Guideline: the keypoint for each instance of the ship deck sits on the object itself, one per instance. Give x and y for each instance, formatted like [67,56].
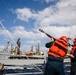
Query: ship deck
[35,71]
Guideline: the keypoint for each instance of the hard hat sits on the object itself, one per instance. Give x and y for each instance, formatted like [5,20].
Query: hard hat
[64,38]
[74,39]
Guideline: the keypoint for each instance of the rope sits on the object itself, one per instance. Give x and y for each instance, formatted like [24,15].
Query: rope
[36,73]
[18,47]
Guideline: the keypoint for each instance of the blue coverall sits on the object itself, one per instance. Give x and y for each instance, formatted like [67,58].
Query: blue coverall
[73,64]
[54,66]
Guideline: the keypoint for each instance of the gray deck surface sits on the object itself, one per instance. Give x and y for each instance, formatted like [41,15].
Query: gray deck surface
[31,72]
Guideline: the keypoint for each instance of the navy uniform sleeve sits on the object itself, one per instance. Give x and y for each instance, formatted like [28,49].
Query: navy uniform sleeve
[49,44]
[74,53]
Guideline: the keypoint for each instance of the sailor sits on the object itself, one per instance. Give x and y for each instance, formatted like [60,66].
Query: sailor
[2,69]
[57,52]
[72,55]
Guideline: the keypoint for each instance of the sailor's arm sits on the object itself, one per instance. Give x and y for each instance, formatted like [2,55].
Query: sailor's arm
[49,44]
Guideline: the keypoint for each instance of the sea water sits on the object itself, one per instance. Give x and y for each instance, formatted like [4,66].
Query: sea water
[31,70]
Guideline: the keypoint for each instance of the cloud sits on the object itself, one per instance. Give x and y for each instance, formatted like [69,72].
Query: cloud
[62,13]
[66,12]
[1,47]
[23,14]
[47,1]
[64,3]
[56,20]
[23,33]
[55,31]
[5,33]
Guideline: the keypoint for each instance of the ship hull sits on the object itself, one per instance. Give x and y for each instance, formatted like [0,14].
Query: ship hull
[8,59]
[10,62]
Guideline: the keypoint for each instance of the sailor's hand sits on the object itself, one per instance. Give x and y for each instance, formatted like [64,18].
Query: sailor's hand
[70,55]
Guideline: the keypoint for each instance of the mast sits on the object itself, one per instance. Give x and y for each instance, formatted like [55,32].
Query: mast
[18,45]
[6,47]
[38,49]
[12,49]
[31,49]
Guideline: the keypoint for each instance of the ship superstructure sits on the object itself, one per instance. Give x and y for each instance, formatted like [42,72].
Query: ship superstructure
[17,57]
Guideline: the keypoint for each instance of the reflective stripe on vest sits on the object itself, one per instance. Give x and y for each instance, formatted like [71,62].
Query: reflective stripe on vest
[59,48]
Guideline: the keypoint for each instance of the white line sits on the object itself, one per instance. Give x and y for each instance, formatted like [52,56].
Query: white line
[25,73]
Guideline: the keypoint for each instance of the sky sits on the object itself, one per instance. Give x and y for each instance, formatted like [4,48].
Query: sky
[24,18]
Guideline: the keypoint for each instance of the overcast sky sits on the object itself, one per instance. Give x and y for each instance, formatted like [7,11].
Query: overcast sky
[23,18]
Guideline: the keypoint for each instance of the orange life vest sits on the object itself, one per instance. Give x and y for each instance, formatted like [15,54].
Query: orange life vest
[73,49]
[58,49]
